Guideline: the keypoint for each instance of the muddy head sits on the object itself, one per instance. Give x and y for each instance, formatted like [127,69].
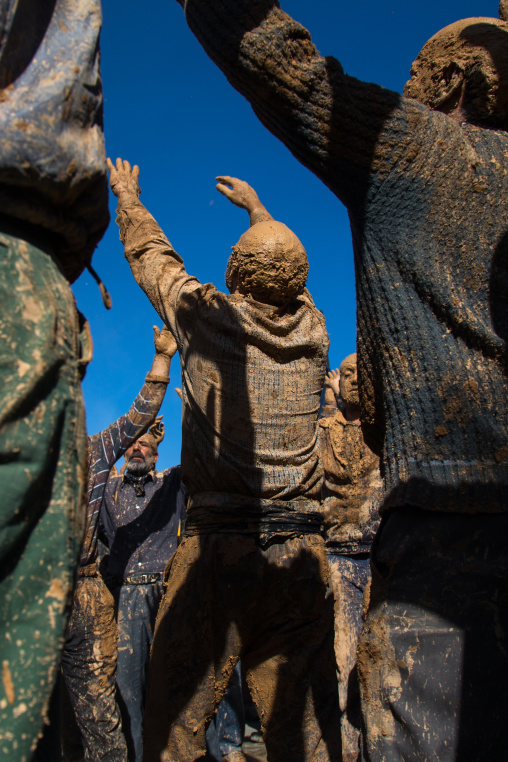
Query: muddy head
[348,384]
[268,263]
[463,71]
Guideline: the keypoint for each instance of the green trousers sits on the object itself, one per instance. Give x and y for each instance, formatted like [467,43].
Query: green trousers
[42,471]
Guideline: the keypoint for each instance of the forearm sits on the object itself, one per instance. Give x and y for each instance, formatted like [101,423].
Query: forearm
[160,366]
[329,121]
[155,265]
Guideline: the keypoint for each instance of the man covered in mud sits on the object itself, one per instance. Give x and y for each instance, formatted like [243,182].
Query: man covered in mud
[54,210]
[249,577]
[352,492]
[90,649]
[141,514]
[425,179]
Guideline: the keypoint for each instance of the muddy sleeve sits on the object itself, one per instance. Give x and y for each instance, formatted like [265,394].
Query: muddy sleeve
[107,446]
[156,266]
[342,129]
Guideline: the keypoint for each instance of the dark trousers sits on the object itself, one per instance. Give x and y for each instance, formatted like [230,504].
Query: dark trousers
[136,610]
[230,719]
[433,656]
[89,670]
[228,598]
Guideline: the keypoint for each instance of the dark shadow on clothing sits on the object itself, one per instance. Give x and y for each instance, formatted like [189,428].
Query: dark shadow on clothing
[428,563]
[498,295]
[154,518]
[238,603]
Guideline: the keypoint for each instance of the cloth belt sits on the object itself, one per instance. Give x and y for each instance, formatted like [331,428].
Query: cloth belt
[135,579]
[261,522]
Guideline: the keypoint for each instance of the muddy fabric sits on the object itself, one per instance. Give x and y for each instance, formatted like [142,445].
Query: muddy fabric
[352,488]
[43,458]
[228,598]
[349,578]
[430,262]
[136,610]
[106,447]
[434,666]
[251,374]
[52,164]
[142,534]
[89,669]
[142,530]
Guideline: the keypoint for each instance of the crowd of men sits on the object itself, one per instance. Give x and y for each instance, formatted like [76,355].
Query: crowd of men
[351,555]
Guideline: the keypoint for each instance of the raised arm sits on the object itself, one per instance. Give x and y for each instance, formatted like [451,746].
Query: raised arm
[107,446]
[241,194]
[330,121]
[155,265]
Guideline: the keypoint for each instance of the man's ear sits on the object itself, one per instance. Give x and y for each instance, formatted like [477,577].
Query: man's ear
[452,87]
[156,458]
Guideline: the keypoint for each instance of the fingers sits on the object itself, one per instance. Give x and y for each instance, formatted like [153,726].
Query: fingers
[156,332]
[179,392]
[228,192]
[110,164]
[135,172]
[226,179]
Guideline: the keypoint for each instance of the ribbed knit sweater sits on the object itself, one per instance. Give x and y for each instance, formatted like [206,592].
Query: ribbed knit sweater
[428,206]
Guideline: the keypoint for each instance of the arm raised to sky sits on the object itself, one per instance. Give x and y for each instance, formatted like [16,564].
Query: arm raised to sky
[155,265]
[331,122]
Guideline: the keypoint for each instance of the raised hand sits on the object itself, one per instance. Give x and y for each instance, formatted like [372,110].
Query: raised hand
[124,179]
[241,194]
[332,380]
[157,429]
[165,343]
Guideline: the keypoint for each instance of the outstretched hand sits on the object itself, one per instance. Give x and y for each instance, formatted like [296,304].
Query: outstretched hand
[238,192]
[123,178]
[165,343]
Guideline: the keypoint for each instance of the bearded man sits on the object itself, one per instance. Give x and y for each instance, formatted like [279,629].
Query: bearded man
[249,578]
[141,514]
[424,177]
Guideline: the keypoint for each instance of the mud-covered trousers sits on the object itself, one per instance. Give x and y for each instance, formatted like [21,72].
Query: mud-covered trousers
[349,576]
[42,463]
[136,610]
[433,657]
[89,670]
[227,597]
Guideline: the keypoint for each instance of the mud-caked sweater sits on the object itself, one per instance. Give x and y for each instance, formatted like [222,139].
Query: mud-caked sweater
[352,487]
[428,206]
[251,374]
[52,163]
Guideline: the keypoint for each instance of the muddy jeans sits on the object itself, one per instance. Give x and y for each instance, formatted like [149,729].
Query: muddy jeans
[432,659]
[136,607]
[89,670]
[42,466]
[349,576]
[227,598]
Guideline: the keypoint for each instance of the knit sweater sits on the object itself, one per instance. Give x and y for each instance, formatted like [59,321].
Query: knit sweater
[52,164]
[252,376]
[428,206]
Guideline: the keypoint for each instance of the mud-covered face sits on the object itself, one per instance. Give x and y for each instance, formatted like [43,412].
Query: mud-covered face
[348,385]
[140,458]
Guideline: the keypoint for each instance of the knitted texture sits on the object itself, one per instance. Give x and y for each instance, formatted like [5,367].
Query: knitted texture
[427,200]
[252,376]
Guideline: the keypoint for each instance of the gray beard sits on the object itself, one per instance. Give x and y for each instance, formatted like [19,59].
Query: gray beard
[138,468]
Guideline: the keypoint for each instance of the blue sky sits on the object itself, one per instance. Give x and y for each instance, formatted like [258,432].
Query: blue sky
[170,110]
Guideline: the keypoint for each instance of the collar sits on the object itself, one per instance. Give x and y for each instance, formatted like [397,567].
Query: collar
[137,482]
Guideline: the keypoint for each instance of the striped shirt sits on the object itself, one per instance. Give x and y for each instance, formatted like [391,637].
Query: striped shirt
[106,447]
